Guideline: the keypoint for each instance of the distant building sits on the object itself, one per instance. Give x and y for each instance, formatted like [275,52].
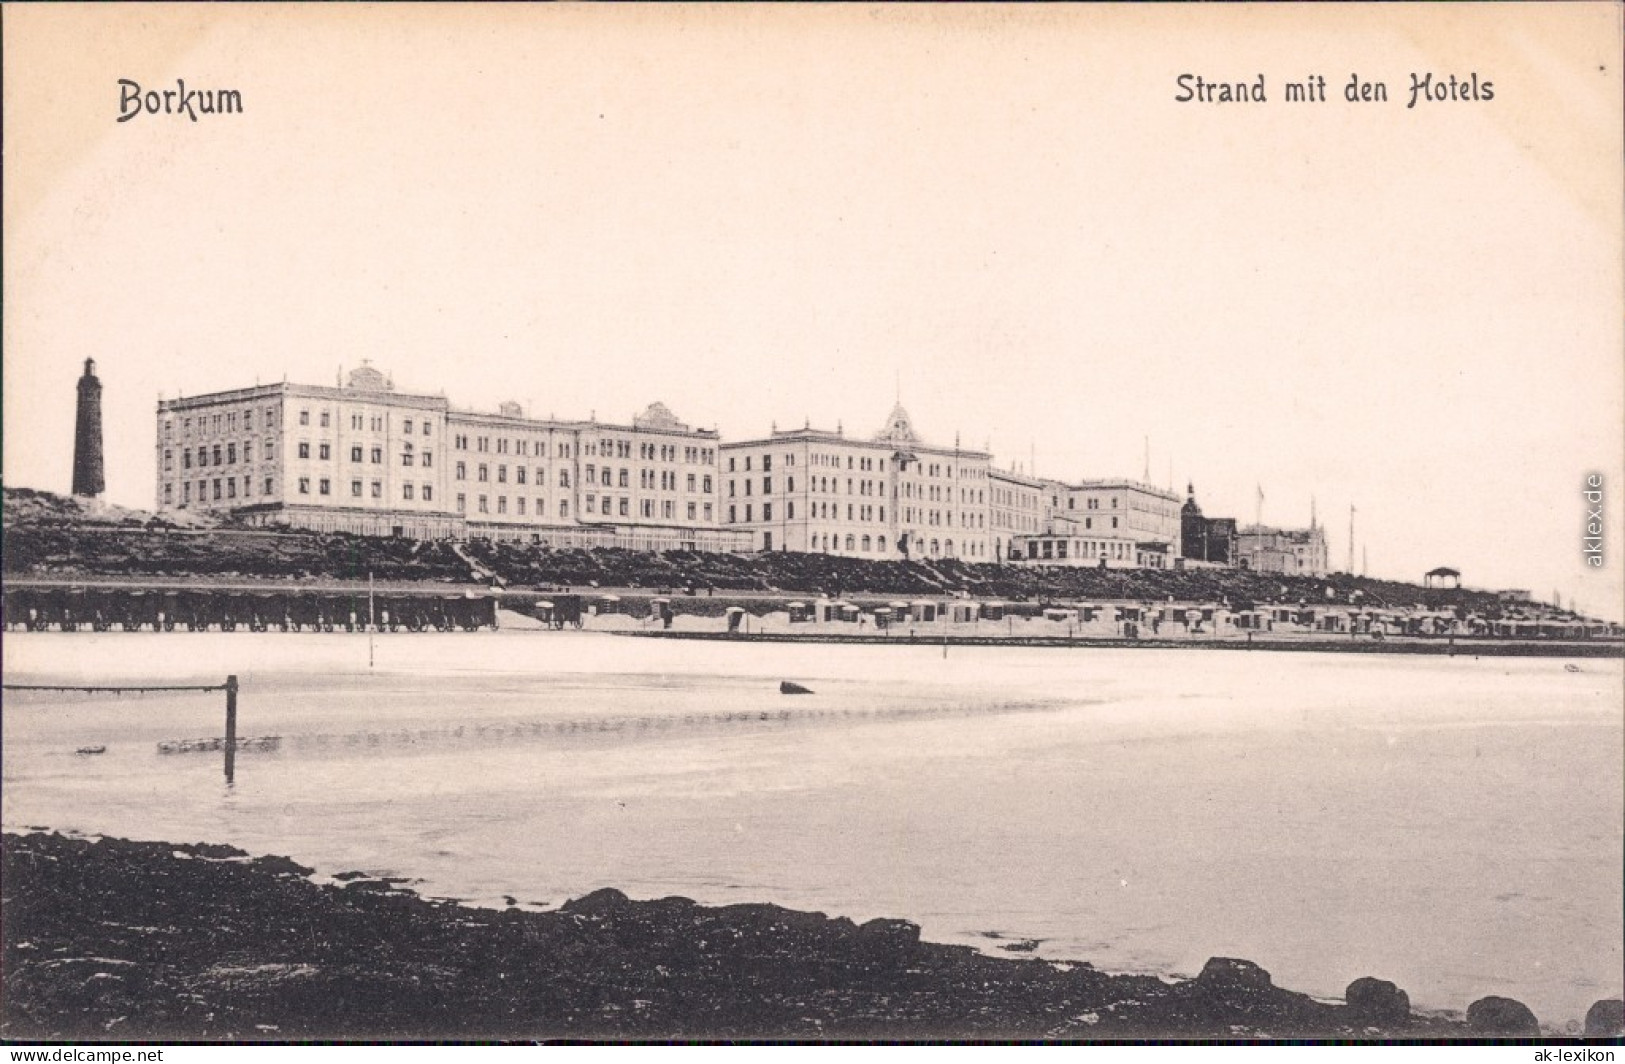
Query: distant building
[88,478]
[650,485]
[1211,540]
[363,457]
[891,496]
[1115,524]
[1018,506]
[1288,551]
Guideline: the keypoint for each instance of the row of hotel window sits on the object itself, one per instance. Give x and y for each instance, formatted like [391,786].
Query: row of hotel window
[590,504]
[223,422]
[225,456]
[1016,522]
[520,447]
[608,448]
[361,422]
[857,543]
[224,488]
[231,421]
[1056,549]
[854,512]
[942,517]
[928,492]
[878,465]
[648,479]
[324,452]
[1023,499]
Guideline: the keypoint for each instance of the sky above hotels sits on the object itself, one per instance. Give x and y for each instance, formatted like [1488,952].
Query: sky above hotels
[772,216]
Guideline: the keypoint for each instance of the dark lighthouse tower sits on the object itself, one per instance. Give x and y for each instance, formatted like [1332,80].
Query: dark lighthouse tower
[87,436]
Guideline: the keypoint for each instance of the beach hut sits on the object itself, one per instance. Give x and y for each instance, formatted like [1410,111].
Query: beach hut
[883,616]
[924,610]
[21,608]
[34,609]
[847,611]
[270,610]
[799,612]
[993,611]
[473,611]
[826,610]
[661,608]
[963,612]
[567,611]
[304,611]
[232,608]
[736,617]
[607,604]
[141,608]
[15,605]
[1059,613]
[544,611]
[420,618]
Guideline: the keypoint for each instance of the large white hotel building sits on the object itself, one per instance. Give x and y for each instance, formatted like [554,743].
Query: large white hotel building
[363,457]
[889,496]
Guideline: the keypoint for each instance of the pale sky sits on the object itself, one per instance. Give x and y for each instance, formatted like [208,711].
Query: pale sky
[769,215]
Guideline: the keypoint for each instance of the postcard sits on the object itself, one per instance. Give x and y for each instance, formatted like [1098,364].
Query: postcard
[813,522]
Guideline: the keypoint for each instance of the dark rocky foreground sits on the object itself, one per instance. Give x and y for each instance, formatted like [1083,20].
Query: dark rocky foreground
[114,939]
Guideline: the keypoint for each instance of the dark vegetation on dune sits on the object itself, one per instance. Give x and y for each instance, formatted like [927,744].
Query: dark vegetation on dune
[49,536]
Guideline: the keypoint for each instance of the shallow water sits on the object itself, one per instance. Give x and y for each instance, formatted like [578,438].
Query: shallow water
[1452,824]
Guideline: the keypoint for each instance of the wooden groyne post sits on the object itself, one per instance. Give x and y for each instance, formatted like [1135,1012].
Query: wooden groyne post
[231,729]
[230,687]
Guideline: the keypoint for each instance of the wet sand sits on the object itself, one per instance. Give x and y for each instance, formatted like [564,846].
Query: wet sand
[1325,815]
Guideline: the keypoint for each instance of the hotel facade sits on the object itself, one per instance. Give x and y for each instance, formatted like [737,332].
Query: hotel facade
[1288,551]
[1112,524]
[886,497]
[362,457]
